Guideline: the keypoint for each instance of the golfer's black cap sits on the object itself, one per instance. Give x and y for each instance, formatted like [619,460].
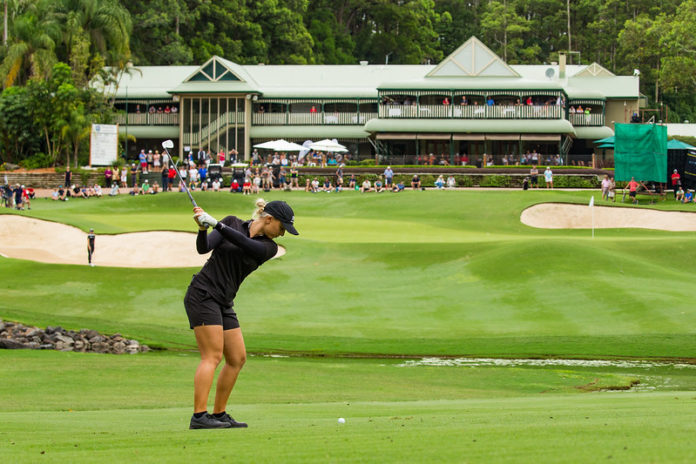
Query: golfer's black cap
[282,212]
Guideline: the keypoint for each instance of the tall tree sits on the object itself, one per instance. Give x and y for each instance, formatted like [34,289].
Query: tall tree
[32,43]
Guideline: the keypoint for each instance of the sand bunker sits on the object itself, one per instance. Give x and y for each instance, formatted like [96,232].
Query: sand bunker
[565,216]
[50,242]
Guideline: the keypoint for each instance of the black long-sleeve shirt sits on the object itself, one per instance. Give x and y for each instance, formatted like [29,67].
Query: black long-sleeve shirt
[235,256]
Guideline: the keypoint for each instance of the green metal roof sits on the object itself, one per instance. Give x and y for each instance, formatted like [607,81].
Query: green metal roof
[146,82]
[593,133]
[535,126]
[151,132]
[324,132]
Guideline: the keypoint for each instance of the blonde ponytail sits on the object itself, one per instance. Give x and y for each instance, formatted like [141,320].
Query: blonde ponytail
[260,205]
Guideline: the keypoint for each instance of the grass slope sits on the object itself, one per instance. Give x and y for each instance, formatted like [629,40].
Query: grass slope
[414,273]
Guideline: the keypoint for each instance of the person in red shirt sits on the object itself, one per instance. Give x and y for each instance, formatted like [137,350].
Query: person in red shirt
[676,182]
[171,175]
[632,190]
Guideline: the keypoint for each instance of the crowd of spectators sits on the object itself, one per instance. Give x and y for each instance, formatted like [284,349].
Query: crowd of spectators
[18,197]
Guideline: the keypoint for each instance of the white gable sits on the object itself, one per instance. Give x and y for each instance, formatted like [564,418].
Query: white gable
[472,59]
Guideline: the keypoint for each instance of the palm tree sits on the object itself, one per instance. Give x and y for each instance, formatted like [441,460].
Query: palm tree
[31,47]
[103,24]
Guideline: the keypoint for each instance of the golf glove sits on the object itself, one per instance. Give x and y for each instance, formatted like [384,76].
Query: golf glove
[206,220]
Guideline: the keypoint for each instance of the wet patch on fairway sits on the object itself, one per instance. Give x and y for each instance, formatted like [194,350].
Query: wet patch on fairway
[492,362]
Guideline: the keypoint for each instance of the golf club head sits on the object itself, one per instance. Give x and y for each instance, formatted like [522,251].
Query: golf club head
[167,144]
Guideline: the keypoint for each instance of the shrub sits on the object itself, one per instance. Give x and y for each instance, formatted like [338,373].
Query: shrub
[35,161]
[367,162]
[496,181]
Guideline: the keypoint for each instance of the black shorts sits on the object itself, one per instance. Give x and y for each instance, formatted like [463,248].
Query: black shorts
[202,309]
[632,194]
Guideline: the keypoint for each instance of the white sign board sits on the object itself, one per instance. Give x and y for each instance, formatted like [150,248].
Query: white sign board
[103,146]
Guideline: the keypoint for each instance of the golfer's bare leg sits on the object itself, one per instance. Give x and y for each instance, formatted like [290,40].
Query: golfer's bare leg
[210,342]
[235,357]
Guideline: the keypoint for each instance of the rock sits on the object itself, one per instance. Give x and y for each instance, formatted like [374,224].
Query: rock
[144,348]
[96,339]
[89,333]
[33,332]
[46,346]
[119,348]
[64,339]
[32,345]
[79,345]
[9,344]
[51,329]
[100,347]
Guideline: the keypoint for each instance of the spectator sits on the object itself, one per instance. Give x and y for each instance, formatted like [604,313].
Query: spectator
[548,177]
[689,196]
[255,184]
[612,189]
[146,187]
[133,175]
[142,159]
[294,174]
[676,181]
[216,184]
[171,175]
[234,186]
[68,176]
[533,176]
[440,182]
[451,182]
[246,187]
[327,185]
[633,190]
[114,190]
[388,176]
[97,190]
[157,161]
[314,186]
[150,160]
[525,183]
[352,182]
[164,177]
[221,157]
[202,174]
[124,176]
[18,194]
[415,182]
[193,177]
[379,188]
[606,183]
[679,194]
[398,187]
[108,176]
[366,186]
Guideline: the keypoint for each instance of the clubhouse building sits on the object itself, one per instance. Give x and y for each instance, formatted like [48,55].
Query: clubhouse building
[471,103]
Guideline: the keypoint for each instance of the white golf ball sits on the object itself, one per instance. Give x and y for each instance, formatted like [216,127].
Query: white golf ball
[341,420]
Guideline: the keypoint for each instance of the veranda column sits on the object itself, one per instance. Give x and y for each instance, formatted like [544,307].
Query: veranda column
[247,128]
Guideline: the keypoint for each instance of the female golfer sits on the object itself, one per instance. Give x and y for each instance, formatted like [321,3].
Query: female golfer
[239,247]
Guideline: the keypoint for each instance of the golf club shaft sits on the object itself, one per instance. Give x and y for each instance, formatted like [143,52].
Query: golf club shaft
[176,168]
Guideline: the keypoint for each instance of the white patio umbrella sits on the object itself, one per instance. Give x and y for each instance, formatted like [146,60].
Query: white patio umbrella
[328,145]
[280,145]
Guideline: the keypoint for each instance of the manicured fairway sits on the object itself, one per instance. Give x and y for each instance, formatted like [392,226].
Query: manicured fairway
[414,273]
[95,408]
[372,282]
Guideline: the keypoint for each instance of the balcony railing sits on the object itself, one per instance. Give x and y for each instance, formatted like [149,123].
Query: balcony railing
[283,119]
[148,119]
[472,111]
[592,119]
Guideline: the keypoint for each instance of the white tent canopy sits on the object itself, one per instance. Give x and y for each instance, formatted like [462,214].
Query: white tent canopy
[280,145]
[328,145]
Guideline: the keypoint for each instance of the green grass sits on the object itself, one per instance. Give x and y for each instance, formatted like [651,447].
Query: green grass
[99,408]
[443,273]
[416,273]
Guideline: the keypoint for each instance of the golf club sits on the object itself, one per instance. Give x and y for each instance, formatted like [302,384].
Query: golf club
[167,144]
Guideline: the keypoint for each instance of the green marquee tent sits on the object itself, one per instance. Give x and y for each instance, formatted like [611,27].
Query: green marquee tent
[640,151]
